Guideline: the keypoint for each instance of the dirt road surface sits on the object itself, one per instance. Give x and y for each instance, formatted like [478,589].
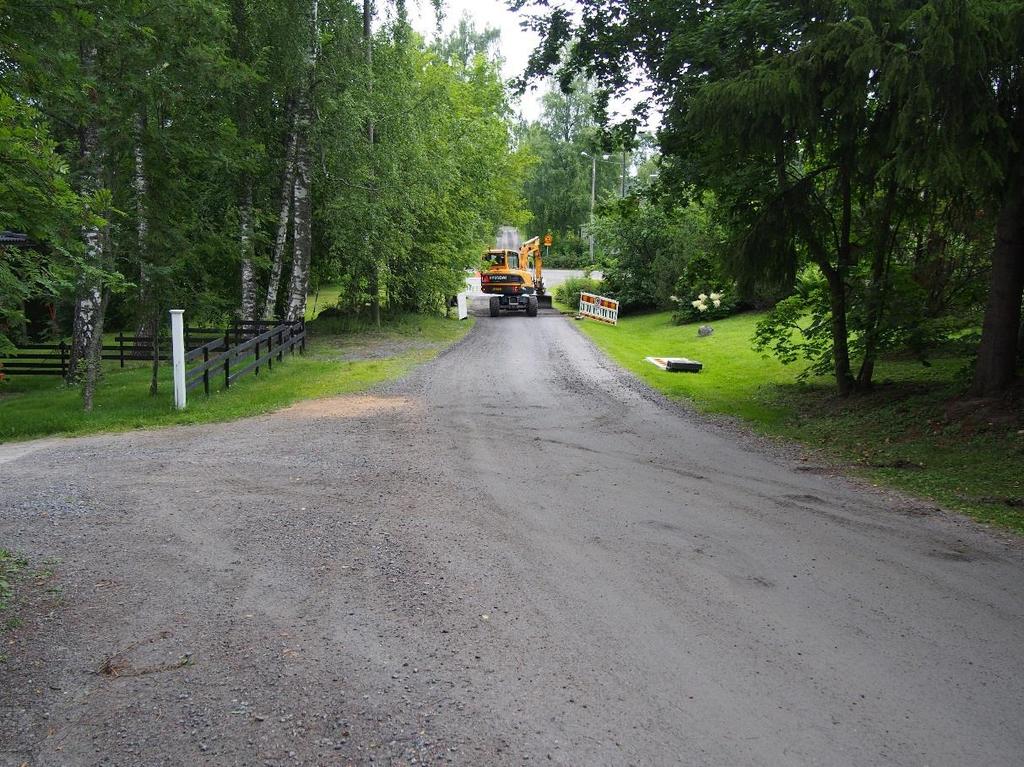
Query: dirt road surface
[517,555]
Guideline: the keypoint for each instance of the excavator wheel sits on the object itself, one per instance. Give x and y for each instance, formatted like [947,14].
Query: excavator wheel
[531,306]
[495,306]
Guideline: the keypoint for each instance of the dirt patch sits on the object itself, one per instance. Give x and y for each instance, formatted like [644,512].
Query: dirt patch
[352,406]
[981,414]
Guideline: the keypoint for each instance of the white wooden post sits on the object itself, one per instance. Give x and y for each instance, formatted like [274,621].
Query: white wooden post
[178,356]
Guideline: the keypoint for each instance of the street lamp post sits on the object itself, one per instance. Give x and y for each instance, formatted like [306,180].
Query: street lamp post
[593,188]
[593,192]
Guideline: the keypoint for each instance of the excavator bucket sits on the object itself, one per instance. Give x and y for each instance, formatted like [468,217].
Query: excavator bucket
[544,302]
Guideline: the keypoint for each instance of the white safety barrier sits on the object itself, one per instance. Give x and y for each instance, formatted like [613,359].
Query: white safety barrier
[599,308]
[463,306]
[178,356]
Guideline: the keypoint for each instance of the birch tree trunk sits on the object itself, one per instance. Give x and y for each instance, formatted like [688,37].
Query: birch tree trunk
[302,232]
[145,327]
[374,266]
[249,287]
[140,186]
[93,358]
[283,216]
[87,308]
[302,201]
[88,303]
[250,291]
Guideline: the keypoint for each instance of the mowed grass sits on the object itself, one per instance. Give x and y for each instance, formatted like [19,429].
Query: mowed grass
[912,432]
[334,363]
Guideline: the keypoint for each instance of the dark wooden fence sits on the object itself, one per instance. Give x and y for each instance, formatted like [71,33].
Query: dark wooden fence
[37,360]
[246,355]
[140,348]
[52,359]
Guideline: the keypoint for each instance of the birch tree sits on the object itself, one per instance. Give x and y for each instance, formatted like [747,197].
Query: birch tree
[302,217]
[284,208]
[89,303]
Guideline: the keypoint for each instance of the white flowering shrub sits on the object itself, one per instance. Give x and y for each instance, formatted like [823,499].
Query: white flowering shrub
[706,306]
[703,293]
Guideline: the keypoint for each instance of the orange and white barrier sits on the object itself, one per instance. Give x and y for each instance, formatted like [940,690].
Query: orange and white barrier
[599,308]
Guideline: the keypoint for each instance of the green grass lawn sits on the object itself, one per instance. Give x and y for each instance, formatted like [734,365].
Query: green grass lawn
[908,433]
[325,298]
[334,363]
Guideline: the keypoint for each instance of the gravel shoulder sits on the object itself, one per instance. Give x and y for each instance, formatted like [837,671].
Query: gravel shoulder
[517,553]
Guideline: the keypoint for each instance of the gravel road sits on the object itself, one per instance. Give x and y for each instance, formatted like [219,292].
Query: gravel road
[516,555]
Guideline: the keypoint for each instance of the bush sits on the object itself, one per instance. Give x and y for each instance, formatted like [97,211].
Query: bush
[800,327]
[569,251]
[702,276]
[569,291]
[706,306]
[650,246]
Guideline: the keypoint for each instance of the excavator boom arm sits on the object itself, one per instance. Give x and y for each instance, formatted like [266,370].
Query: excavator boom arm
[532,248]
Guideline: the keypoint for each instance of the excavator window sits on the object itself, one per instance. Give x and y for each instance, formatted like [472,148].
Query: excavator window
[496,259]
[513,261]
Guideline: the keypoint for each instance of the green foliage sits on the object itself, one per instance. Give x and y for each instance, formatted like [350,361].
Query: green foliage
[466,43]
[569,250]
[37,201]
[440,178]
[568,292]
[558,186]
[798,328]
[652,247]
[703,275]
[854,137]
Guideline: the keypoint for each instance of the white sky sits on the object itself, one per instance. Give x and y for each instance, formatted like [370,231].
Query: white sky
[516,46]
[516,43]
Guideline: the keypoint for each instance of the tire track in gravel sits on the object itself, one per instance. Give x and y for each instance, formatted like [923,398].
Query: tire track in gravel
[517,553]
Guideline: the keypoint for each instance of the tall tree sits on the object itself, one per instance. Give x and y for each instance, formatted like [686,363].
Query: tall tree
[89,301]
[302,190]
[284,207]
[566,140]
[250,288]
[371,259]
[966,97]
[806,121]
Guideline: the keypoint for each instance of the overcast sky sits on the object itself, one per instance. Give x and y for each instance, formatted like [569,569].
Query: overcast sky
[516,43]
[516,46]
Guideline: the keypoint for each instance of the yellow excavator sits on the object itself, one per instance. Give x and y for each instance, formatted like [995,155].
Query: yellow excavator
[513,278]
